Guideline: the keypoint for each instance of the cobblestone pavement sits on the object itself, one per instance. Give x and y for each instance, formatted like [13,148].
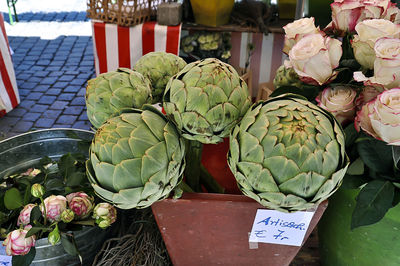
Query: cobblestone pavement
[51,77]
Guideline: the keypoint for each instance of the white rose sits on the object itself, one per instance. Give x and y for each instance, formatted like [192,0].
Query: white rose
[386,64]
[369,31]
[380,117]
[315,57]
[375,8]
[340,101]
[346,15]
[393,14]
[295,30]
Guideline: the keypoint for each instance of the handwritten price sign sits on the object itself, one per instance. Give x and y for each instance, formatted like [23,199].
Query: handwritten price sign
[280,228]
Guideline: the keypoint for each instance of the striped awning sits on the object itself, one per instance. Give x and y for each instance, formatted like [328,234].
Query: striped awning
[9,96]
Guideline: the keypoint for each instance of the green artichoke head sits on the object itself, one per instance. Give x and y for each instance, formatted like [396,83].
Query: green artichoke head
[136,158]
[286,77]
[288,154]
[114,91]
[206,100]
[159,67]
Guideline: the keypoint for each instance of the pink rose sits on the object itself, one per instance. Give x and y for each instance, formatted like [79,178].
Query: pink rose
[380,117]
[340,102]
[25,215]
[81,204]
[55,205]
[17,244]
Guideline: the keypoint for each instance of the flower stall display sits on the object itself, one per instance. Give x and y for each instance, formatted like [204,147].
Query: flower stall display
[139,157]
[50,200]
[351,69]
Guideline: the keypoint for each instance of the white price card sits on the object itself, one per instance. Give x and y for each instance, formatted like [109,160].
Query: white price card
[281,228]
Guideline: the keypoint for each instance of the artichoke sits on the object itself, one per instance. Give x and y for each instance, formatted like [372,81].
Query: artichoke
[111,92]
[159,67]
[286,77]
[206,100]
[136,158]
[288,154]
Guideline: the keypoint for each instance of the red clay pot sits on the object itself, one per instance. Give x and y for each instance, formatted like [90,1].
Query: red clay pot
[209,229]
[214,159]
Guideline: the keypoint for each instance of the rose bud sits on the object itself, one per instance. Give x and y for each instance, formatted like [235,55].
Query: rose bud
[105,214]
[37,190]
[54,236]
[25,215]
[81,204]
[55,205]
[67,216]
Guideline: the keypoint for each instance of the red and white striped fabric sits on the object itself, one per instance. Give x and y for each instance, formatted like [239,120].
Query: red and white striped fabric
[266,58]
[116,46]
[9,96]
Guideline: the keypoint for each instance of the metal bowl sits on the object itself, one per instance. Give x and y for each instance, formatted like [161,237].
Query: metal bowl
[24,151]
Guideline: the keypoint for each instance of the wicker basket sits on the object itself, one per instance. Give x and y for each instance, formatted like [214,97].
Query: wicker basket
[123,12]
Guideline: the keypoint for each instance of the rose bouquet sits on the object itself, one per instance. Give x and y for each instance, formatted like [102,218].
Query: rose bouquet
[49,201]
[352,69]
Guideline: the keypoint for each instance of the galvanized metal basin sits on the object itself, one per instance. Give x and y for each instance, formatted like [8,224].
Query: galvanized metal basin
[24,151]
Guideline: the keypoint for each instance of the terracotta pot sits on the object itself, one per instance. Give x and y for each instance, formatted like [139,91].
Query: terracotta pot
[209,229]
[214,159]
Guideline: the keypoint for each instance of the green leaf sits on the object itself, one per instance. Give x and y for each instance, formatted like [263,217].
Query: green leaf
[356,167]
[13,199]
[25,260]
[373,201]
[310,92]
[68,244]
[351,135]
[36,215]
[54,184]
[354,181]
[27,195]
[66,165]
[377,155]
[45,161]
[76,179]
[36,229]
[3,218]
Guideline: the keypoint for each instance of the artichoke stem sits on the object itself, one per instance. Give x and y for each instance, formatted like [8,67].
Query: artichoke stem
[185,187]
[193,162]
[209,182]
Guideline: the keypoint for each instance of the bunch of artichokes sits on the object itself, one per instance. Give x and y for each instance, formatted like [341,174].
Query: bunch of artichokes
[206,100]
[159,67]
[288,154]
[136,158]
[111,92]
